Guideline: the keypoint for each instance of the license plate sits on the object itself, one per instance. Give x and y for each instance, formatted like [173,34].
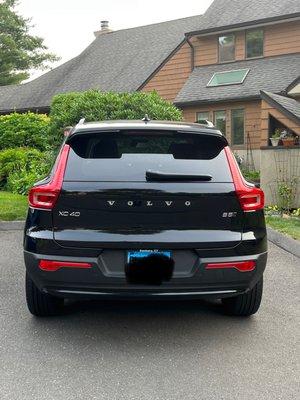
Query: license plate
[133,255]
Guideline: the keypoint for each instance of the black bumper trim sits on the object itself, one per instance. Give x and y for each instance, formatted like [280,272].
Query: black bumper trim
[133,294]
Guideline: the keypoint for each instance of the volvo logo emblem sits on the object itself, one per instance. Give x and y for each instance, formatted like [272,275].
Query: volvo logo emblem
[148,203]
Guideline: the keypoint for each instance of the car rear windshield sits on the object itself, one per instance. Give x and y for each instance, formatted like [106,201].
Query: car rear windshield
[128,155]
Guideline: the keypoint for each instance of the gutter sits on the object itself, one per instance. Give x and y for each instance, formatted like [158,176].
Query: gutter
[213,101]
[192,53]
[263,21]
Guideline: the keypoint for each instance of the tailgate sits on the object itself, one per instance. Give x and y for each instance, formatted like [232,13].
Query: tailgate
[107,202]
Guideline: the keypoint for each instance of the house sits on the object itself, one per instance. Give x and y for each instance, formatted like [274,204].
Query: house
[239,69]
[237,65]
[118,61]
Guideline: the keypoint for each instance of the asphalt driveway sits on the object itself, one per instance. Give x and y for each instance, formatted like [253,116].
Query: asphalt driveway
[121,350]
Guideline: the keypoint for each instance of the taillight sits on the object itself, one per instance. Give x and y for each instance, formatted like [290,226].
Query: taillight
[52,266]
[45,196]
[241,266]
[250,197]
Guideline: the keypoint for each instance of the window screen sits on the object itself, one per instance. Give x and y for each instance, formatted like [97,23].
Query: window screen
[254,43]
[220,120]
[237,126]
[227,48]
[202,116]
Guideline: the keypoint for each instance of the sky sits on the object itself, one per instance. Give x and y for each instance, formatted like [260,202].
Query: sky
[67,26]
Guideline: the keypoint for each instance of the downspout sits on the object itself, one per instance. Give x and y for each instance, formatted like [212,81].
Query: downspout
[192,52]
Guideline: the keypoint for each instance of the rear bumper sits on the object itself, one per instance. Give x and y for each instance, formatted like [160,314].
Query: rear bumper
[140,294]
[100,283]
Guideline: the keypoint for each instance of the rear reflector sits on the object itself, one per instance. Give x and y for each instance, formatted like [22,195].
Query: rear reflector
[45,196]
[241,266]
[49,265]
[250,197]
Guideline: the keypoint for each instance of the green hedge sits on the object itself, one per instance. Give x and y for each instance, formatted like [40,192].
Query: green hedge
[68,109]
[24,130]
[20,168]
[26,139]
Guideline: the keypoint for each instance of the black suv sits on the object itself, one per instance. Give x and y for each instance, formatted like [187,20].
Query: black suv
[145,209]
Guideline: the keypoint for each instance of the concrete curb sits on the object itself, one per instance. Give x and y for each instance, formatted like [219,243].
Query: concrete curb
[285,242]
[12,225]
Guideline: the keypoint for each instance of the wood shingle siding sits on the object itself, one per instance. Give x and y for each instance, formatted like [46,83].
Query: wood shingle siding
[171,77]
[252,111]
[206,50]
[279,39]
[282,38]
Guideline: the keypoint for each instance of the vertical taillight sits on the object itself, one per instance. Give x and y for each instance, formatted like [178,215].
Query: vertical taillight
[250,197]
[45,196]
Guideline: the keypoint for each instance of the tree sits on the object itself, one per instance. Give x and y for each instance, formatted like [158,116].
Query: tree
[93,105]
[19,51]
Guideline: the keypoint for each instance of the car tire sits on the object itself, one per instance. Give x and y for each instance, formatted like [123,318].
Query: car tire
[41,304]
[245,304]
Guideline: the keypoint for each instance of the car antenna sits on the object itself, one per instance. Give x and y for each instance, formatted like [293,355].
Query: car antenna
[146,118]
[81,121]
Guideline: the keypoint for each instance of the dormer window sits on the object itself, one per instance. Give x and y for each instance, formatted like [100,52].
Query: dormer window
[254,43]
[227,48]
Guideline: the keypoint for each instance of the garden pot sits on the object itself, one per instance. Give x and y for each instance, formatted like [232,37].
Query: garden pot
[274,141]
[288,142]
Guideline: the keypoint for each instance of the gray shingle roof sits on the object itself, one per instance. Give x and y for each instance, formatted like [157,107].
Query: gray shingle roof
[288,106]
[272,74]
[224,13]
[117,61]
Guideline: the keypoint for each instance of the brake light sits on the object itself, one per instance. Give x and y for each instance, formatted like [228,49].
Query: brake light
[45,196]
[52,266]
[250,197]
[241,266]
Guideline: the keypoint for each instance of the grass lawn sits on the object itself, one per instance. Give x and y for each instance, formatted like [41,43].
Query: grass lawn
[12,206]
[289,227]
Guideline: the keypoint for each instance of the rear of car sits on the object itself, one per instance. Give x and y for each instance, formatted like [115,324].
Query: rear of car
[121,193]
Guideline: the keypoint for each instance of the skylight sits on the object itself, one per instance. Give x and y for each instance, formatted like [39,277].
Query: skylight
[228,77]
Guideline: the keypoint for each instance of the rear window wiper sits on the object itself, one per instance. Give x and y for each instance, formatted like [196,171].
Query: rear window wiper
[157,176]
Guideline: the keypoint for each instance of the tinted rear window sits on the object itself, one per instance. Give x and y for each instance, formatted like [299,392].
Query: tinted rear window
[127,156]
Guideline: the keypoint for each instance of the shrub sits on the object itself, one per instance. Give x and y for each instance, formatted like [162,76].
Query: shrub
[20,168]
[252,176]
[68,109]
[24,130]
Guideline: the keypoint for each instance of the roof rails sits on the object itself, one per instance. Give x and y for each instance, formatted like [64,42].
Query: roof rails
[206,122]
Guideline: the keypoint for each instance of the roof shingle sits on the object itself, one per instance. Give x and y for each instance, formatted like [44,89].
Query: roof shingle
[224,13]
[287,105]
[118,61]
[272,74]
